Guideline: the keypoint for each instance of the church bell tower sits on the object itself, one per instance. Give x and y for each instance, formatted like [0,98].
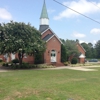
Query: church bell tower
[44,20]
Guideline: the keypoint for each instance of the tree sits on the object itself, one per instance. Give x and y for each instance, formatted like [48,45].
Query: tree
[77,40]
[97,47]
[63,54]
[90,50]
[21,38]
[38,58]
[71,48]
[90,45]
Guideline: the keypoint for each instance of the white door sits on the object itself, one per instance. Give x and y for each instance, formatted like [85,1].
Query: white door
[53,56]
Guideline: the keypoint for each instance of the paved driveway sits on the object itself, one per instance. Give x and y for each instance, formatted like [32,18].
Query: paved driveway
[83,68]
[3,70]
[72,68]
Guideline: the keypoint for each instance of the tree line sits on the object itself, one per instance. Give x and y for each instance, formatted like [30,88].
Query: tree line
[69,48]
[92,51]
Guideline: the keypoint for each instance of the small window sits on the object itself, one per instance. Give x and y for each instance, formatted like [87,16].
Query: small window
[25,56]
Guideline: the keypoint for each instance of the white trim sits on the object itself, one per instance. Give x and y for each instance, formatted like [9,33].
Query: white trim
[44,21]
[12,56]
[6,57]
[25,56]
[45,31]
[82,56]
[52,36]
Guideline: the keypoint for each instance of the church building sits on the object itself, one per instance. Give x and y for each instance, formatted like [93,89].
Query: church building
[53,43]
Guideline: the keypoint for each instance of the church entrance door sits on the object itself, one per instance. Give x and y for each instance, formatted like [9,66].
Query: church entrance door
[53,56]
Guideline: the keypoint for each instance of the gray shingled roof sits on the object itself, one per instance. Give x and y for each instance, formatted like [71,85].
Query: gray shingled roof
[42,28]
[47,37]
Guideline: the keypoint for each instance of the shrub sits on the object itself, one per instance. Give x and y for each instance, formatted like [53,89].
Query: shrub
[74,61]
[66,63]
[38,58]
[3,64]
[45,66]
[14,66]
[6,65]
[1,60]
[15,61]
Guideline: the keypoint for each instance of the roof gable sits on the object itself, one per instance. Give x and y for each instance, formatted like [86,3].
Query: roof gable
[81,46]
[48,37]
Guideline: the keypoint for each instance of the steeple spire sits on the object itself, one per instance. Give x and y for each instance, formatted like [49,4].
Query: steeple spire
[44,13]
[44,20]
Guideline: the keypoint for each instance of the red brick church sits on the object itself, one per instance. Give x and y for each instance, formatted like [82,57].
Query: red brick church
[53,43]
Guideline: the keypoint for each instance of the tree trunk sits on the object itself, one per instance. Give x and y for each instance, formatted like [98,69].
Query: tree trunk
[20,57]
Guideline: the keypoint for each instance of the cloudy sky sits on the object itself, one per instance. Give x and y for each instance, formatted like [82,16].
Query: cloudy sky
[65,23]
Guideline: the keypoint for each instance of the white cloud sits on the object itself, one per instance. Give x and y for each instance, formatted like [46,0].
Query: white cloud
[94,41]
[51,11]
[82,6]
[78,35]
[4,14]
[81,41]
[95,31]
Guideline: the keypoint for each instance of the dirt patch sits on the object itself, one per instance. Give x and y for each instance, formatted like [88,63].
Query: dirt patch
[3,71]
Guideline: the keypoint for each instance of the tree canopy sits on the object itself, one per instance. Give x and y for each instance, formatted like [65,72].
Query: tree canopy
[97,48]
[18,37]
[90,50]
[71,48]
[63,53]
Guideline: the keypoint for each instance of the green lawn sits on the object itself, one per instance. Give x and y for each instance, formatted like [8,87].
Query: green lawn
[50,85]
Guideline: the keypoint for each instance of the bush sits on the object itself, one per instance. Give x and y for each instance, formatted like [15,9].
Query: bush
[38,58]
[45,66]
[66,63]
[22,66]
[1,60]
[15,61]
[6,65]
[74,61]
[3,64]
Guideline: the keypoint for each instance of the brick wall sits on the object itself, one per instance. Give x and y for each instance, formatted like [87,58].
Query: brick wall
[52,44]
[81,60]
[80,49]
[28,59]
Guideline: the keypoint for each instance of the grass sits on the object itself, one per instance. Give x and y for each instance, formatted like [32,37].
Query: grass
[50,85]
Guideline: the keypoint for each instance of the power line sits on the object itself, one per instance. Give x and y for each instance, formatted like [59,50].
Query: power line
[94,4]
[77,12]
